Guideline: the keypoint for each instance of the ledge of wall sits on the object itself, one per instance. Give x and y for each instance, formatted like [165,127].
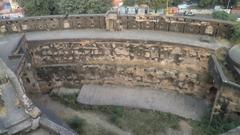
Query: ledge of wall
[175,24]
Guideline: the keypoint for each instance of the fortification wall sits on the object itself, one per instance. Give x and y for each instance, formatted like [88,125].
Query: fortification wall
[175,24]
[124,62]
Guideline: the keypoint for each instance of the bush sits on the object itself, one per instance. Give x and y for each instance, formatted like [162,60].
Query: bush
[77,124]
[217,126]
[222,15]
[236,33]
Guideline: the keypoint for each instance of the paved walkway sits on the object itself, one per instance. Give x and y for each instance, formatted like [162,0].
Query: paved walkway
[9,42]
[147,98]
[15,113]
[147,35]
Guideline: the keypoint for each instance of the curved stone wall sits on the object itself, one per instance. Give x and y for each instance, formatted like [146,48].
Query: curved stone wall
[127,62]
[48,64]
[175,24]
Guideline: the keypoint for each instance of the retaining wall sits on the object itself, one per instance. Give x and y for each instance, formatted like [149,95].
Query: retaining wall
[120,62]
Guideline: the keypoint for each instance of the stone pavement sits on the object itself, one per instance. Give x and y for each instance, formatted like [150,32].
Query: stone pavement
[7,44]
[145,35]
[146,98]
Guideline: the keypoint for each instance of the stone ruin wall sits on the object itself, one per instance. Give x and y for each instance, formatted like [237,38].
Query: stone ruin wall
[71,63]
[228,102]
[162,23]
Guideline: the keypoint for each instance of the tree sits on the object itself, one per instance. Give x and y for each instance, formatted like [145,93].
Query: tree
[205,3]
[139,2]
[97,6]
[40,7]
[84,6]
[236,33]
[129,2]
[71,6]
[175,2]
[52,7]
[156,4]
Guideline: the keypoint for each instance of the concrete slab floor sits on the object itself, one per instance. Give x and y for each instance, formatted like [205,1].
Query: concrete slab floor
[146,98]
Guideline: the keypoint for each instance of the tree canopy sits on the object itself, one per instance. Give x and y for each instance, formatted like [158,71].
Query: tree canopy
[39,7]
[54,7]
[211,3]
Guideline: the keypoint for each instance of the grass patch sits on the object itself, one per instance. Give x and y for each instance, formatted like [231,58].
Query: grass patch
[77,124]
[136,121]
[217,126]
[142,122]
[83,128]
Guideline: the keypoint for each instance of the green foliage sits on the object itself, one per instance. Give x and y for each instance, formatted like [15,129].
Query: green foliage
[40,7]
[71,6]
[97,6]
[142,122]
[217,126]
[53,7]
[116,113]
[222,15]
[156,4]
[129,2]
[139,121]
[205,3]
[175,2]
[236,33]
[77,124]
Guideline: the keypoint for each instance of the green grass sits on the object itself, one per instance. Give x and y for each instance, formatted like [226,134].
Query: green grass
[83,128]
[136,121]
[142,122]
[218,125]
[77,124]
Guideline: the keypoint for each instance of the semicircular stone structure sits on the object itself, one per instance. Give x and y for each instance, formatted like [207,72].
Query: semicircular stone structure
[168,53]
[126,62]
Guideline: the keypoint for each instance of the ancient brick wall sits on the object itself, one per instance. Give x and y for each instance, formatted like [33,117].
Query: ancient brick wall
[174,24]
[134,63]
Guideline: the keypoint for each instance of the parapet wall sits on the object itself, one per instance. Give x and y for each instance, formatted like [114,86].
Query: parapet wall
[120,62]
[175,24]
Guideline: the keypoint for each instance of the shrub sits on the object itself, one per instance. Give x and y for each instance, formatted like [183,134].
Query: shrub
[217,126]
[236,33]
[77,124]
[222,15]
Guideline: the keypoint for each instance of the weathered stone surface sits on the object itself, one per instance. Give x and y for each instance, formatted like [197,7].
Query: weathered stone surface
[132,63]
